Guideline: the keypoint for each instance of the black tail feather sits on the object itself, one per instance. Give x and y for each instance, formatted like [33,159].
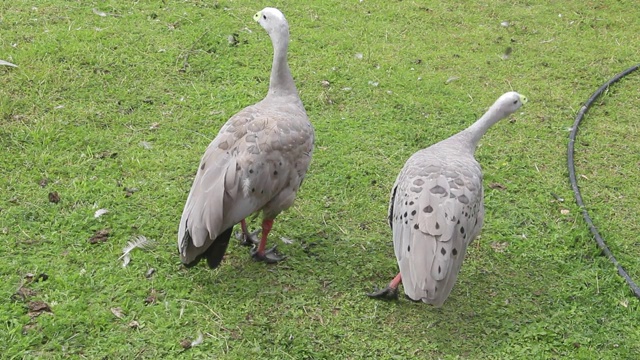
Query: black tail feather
[215,252]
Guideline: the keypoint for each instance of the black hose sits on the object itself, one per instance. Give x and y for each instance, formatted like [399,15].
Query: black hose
[574,183]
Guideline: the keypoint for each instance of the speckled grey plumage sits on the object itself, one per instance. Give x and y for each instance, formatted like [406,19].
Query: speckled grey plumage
[436,208]
[256,162]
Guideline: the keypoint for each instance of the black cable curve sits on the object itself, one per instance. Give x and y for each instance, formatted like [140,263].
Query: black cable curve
[574,182]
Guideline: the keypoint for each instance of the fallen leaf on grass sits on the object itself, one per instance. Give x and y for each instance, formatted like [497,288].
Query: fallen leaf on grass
[624,303]
[141,242]
[28,327]
[188,344]
[22,294]
[100,212]
[134,324]
[151,299]
[497,186]
[36,278]
[100,236]
[149,273]
[564,212]
[154,126]
[185,343]
[105,154]
[38,307]
[117,312]
[499,246]
[129,191]
[54,197]
[43,182]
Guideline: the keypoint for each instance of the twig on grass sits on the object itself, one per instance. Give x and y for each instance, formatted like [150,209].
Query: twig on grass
[203,304]
[185,62]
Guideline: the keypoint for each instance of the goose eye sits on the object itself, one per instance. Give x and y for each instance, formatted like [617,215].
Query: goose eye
[264,17]
[515,102]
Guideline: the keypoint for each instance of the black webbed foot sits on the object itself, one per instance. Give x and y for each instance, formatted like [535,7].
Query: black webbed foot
[270,256]
[387,293]
[250,239]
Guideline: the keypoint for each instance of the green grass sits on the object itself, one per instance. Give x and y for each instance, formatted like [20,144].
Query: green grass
[88,89]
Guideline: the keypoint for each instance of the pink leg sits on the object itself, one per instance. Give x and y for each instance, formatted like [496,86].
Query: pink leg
[261,254]
[243,225]
[266,228]
[396,281]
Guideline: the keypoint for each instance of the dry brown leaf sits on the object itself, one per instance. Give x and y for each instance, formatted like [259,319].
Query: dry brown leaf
[152,297]
[100,236]
[28,327]
[117,312]
[106,154]
[35,278]
[134,324]
[23,293]
[38,307]
[54,197]
[129,191]
[497,186]
[187,344]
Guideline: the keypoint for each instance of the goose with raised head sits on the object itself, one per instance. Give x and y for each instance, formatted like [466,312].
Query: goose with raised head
[256,163]
[436,210]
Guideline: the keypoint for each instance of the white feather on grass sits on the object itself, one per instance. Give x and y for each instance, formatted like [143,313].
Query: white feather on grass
[286,240]
[188,344]
[6,63]
[141,242]
[197,341]
[100,212]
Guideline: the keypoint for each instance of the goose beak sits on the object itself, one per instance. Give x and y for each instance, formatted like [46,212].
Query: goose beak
[256,17]
[523,99]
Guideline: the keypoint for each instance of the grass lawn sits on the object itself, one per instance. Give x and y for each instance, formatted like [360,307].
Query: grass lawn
[114,102]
